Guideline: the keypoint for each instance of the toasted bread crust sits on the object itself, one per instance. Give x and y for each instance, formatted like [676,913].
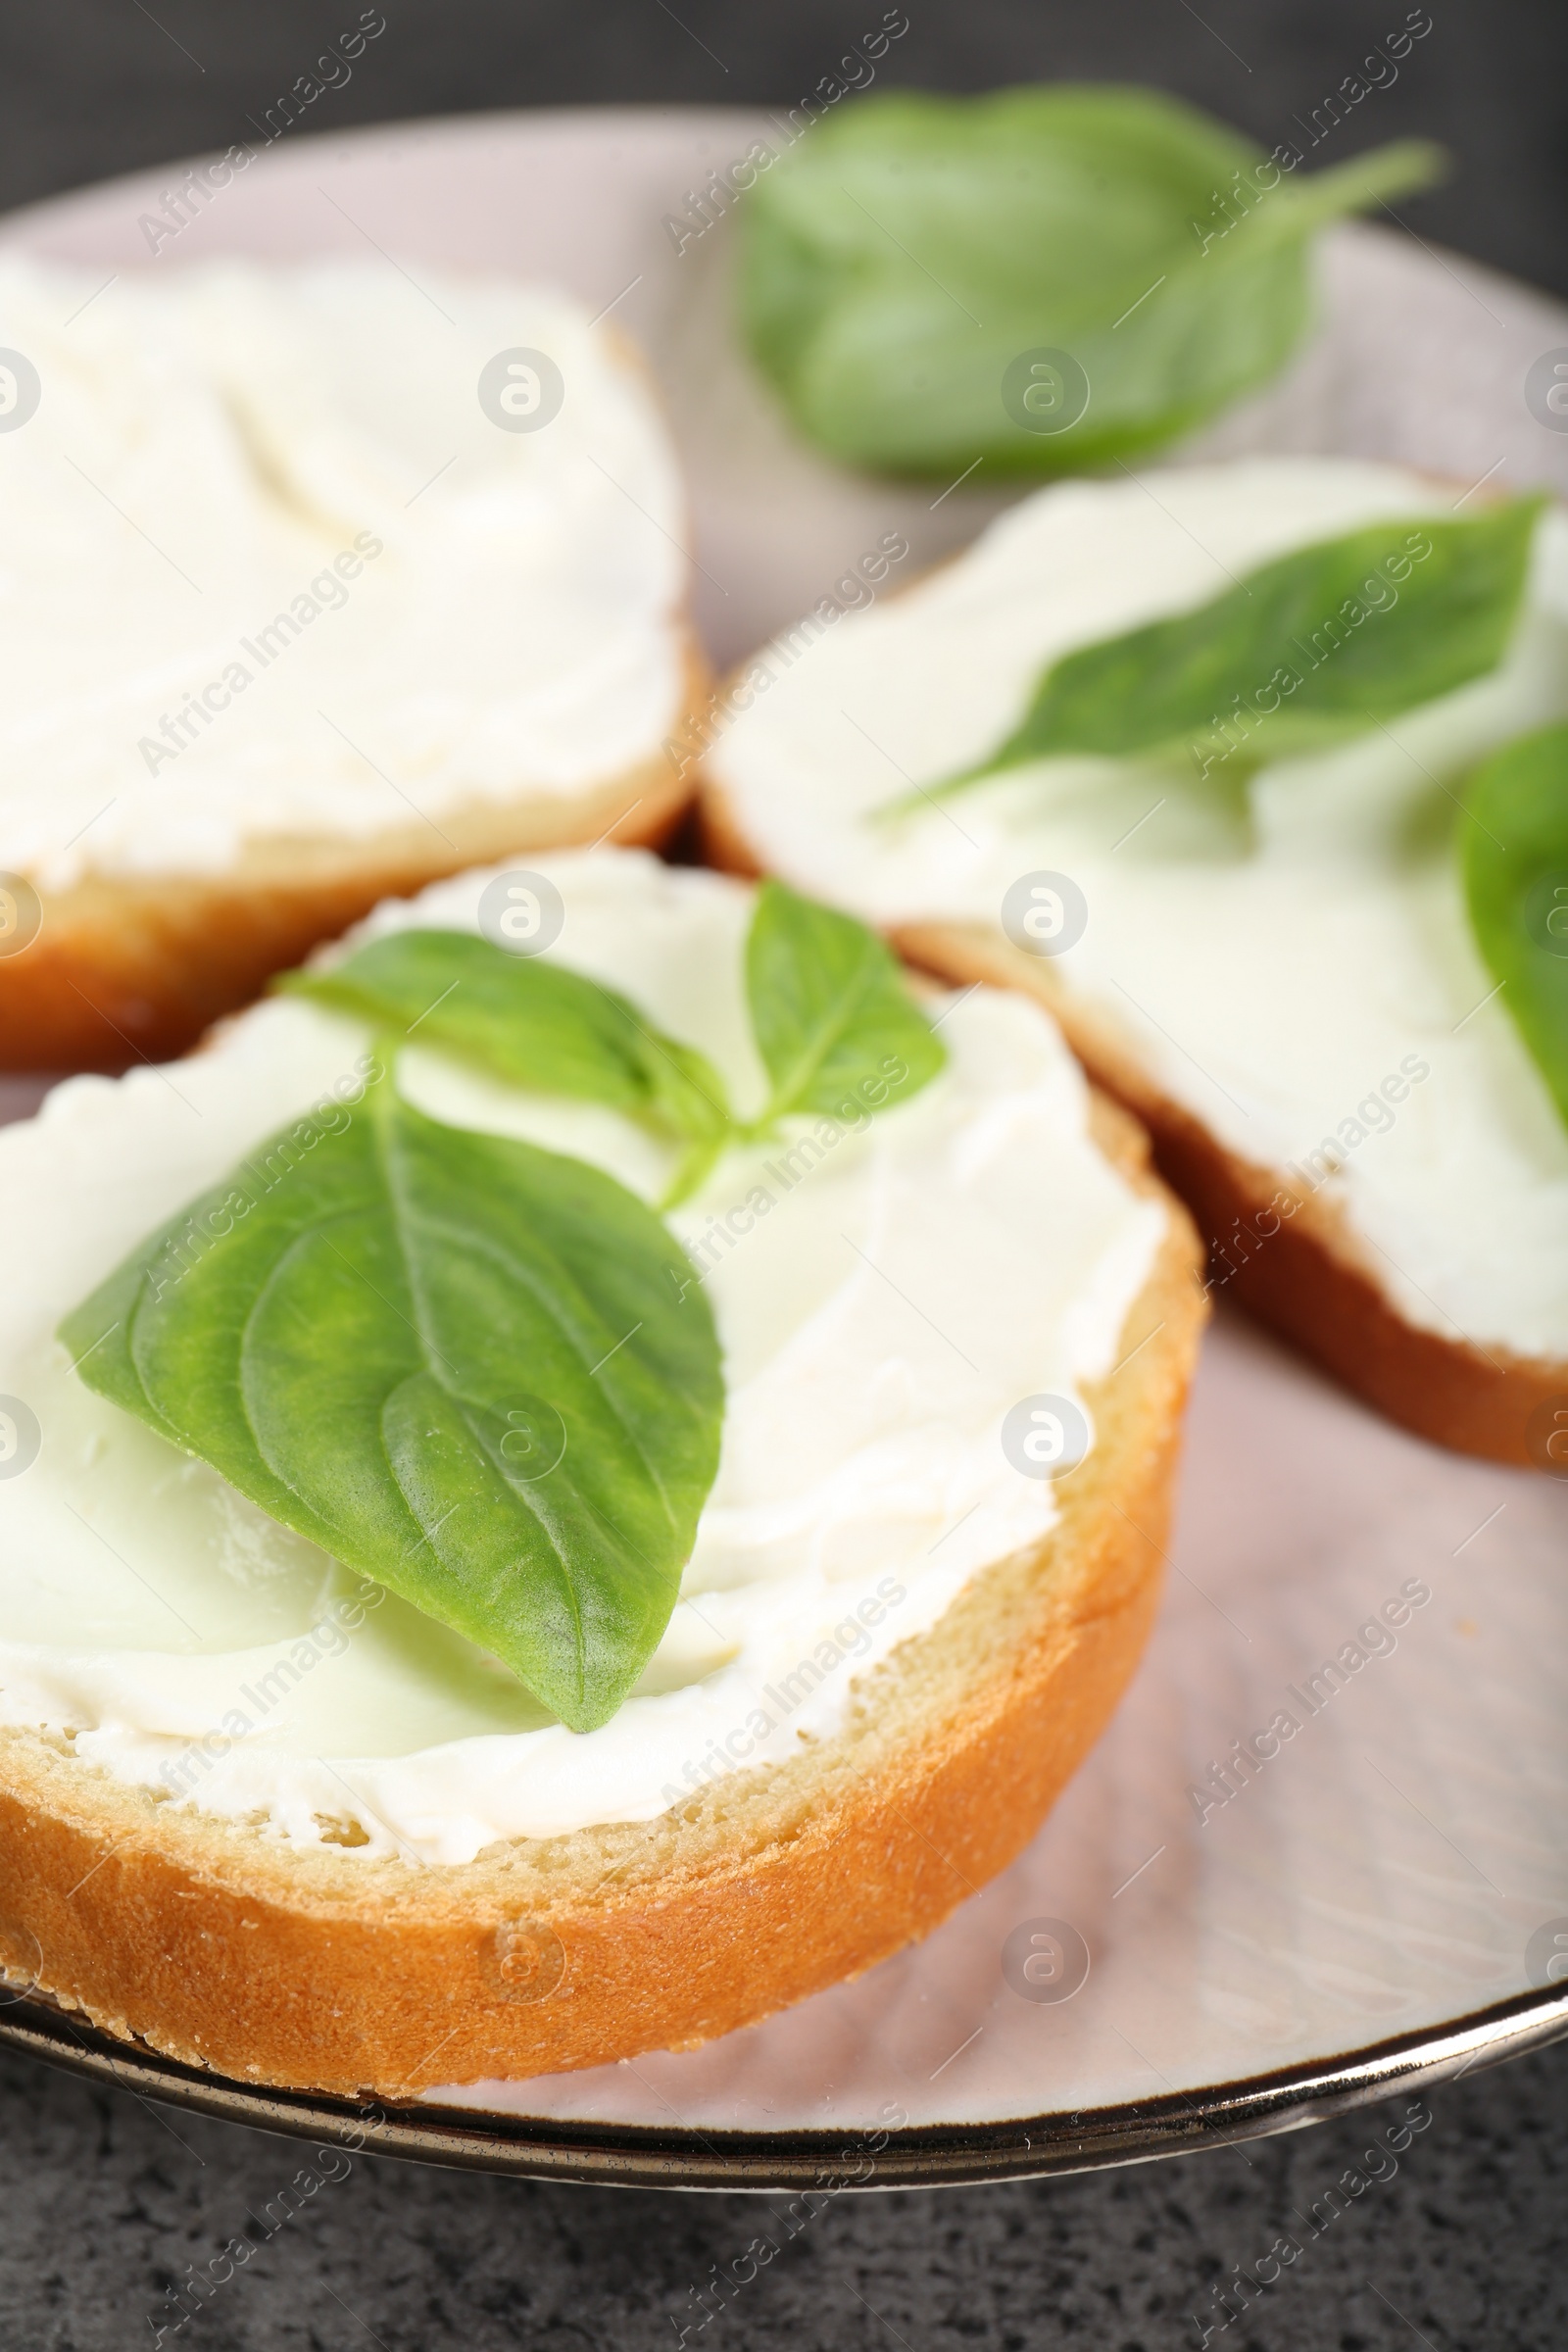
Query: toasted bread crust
[1282,1251]
[317,1968]
[128,970]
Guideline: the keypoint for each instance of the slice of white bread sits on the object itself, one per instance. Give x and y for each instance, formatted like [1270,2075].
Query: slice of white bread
[125,969]
[1299,1233]
[301,610]
[324,1961]
[319,1968]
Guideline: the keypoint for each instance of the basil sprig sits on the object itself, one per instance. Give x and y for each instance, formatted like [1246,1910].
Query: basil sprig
[829,1011]
[900,262]
[535,1024]
[1302,652]
[1513,847]
[480,1372]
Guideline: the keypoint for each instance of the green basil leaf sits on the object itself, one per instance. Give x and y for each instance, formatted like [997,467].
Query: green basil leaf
[462,1365]
[835,1024]
[1306,651]
[898,263]
[532,1022]
[1513,849]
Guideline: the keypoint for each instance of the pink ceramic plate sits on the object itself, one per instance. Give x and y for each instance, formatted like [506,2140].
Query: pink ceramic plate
[1383,1901]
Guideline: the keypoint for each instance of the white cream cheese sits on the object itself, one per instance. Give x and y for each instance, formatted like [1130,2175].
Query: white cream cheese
[268,568]
[883,1296]
[1271,965]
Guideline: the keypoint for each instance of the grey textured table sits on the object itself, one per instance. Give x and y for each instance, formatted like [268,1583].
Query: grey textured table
[104,2200]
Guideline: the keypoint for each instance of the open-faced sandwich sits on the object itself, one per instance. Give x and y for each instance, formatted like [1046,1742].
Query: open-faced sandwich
[1258,775]
[564,1498]
[318,582]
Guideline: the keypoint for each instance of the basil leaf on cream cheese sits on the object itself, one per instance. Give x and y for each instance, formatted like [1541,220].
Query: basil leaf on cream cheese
[531,1024]
[831,1010]
[480,1372]
[472,1369]
[1513,847]
[1305,652]
[829,1007]
[922,269]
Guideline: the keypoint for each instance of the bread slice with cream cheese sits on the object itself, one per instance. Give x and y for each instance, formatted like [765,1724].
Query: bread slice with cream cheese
[272,1819]
[1277,974]
[321,582]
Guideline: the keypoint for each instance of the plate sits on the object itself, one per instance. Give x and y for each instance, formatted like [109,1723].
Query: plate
[1380,1896]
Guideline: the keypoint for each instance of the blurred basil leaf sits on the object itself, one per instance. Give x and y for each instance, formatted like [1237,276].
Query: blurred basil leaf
[1513,847]
[831,1010]
[1306,651]
[915,249]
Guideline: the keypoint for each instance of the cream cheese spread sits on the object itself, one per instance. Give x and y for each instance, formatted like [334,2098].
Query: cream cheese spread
[1293,964]
[884,1293]
[318,552]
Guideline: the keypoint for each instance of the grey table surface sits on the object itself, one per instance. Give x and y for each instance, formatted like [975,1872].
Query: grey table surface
[104,2199]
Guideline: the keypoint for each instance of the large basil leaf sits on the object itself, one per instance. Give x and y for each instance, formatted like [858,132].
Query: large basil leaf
[1306,651]
[1515,857]
[464,1366]
[831,1010]
[900,259]
[535,1024]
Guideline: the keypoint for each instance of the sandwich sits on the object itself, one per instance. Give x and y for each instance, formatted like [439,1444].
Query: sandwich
[1256,775]
[569,1494]
[321,580]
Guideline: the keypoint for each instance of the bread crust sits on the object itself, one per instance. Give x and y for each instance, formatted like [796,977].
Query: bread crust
[316,1967]
[1283,1252]
[124,970]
